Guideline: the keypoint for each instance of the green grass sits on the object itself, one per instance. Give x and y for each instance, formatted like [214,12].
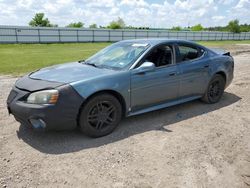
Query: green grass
[223,43]
[18,59]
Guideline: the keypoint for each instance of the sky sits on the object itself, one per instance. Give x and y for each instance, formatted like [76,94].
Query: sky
[148,13]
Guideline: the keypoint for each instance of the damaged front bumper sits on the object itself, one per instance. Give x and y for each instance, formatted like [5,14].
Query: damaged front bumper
[59,116]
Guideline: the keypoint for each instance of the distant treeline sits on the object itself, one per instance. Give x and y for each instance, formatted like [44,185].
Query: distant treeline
[233,26]
[243,28]
[39,20]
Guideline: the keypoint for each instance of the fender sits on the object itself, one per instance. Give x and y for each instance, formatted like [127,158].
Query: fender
[222,64]
[120,83]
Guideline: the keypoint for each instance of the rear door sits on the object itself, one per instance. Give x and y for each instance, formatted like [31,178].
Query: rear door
[194,69]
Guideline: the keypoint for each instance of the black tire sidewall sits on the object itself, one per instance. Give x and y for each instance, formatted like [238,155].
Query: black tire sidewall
[86,128]
[221,80]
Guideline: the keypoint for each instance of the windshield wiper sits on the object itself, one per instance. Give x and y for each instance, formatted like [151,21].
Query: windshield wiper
[91,64]
[81,61]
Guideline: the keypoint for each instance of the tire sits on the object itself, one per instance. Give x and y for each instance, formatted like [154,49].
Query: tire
[214,90]
[100,115]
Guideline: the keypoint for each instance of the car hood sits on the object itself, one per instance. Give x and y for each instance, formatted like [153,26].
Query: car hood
[69,72]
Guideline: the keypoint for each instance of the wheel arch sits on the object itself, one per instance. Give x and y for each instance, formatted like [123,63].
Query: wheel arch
[223,74]
[116,94]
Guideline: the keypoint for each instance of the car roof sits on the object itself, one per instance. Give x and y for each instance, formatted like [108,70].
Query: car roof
[155,41]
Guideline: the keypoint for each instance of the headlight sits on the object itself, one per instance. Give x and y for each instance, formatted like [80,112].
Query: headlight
[43,97]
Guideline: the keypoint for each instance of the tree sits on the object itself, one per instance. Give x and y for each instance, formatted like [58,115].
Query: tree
[233,26]
[177,28]
[114,25]
[118,24]
[245,28]
[93,26]
[40,21]
[197,27]
[121,22]
[76,24]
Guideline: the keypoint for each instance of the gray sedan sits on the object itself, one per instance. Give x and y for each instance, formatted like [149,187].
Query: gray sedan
[124,79]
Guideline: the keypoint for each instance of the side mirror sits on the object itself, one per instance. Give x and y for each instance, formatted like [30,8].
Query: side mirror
[146,66]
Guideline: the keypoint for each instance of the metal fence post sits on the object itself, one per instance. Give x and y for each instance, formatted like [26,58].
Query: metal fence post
[77,35]
[122,35]
[59,35]
[93,35]
[16,36]
[39,38]
[109,36]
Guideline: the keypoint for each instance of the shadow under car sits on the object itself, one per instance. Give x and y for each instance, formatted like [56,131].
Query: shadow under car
[52,142]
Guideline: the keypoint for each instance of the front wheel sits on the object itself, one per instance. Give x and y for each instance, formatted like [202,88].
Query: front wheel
[100,115]
[214,90]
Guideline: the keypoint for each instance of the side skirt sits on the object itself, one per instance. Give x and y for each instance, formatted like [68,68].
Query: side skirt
[164,105]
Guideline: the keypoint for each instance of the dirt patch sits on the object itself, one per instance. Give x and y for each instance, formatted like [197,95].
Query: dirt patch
[189,145]
[238,49]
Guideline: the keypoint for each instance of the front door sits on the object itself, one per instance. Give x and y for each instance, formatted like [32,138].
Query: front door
[157,86]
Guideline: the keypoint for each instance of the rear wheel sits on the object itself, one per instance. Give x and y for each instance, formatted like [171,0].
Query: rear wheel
[100,115]
[215,90]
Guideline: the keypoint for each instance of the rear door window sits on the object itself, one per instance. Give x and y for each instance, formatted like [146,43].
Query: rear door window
[188,52]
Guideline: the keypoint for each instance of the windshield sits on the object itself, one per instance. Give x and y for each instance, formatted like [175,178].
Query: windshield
[118,56]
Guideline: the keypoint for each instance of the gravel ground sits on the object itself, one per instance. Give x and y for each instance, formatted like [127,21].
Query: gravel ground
[189,145]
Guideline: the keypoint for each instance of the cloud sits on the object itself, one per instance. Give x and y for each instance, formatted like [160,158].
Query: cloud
[227,2]
[134,3]
[100,4]
[150,13]
[218,18]
[241,11]
[243,4]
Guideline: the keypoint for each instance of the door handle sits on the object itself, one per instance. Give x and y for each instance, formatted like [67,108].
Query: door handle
[172,74]
[140,73]
[206,66]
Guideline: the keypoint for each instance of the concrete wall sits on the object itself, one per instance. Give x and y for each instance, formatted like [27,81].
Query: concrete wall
[19,34]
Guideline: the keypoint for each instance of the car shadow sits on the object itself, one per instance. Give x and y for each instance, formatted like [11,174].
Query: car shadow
[71,141]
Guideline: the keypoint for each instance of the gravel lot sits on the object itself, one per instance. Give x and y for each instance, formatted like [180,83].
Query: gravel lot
[189,145]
